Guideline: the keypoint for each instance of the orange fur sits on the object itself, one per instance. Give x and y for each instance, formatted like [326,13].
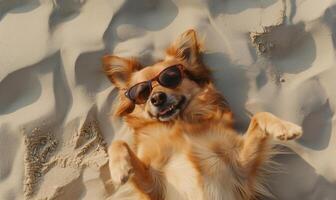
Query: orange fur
[197,154]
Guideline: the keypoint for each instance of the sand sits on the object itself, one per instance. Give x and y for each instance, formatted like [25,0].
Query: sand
[56,104]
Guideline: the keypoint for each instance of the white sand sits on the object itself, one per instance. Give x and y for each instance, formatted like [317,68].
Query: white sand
[55,102]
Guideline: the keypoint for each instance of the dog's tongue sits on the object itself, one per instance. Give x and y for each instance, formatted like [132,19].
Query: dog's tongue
[164,111]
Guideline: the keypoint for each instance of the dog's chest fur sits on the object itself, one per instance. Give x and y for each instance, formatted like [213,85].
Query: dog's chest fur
[193,166]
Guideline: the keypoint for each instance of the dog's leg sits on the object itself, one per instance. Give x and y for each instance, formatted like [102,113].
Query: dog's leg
[256,144]
[125,165]
[120,163]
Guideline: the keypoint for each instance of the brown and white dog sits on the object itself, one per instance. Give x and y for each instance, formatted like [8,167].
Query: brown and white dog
[184,146]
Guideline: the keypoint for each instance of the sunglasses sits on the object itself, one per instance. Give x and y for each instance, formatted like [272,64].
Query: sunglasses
[171,77]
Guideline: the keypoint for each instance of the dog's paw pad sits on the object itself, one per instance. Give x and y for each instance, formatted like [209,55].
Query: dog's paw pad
[284,130]
[126,176]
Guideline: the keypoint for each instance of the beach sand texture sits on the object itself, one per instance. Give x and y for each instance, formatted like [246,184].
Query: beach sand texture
[56,103]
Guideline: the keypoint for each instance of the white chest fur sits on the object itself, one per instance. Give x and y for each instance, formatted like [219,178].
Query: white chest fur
[182,179]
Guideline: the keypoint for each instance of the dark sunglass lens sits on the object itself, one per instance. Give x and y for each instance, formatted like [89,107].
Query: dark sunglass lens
[170,77]
[140,92]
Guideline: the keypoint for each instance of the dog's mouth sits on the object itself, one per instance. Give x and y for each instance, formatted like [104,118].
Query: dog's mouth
[171,110]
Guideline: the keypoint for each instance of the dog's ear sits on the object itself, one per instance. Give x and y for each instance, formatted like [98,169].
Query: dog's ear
[119,70]
[124,107]
[187,48]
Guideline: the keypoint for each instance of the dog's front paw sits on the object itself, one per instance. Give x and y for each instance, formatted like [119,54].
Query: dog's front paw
[120,165]
[284,130]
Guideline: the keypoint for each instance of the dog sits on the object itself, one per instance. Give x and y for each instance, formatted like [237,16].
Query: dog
[183,144]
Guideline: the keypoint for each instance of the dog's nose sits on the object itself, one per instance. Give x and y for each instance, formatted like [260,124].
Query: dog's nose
[158,98]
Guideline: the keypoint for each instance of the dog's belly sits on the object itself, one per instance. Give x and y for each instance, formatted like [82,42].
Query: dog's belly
[219,187]
[182,179]
[192,179]
[197,168]
[216,155]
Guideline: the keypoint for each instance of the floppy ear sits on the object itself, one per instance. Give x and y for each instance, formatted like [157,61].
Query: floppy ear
[119,70]
[187,48]
[124,107]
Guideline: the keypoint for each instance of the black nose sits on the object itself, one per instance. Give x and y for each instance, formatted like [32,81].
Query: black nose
[158,98]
